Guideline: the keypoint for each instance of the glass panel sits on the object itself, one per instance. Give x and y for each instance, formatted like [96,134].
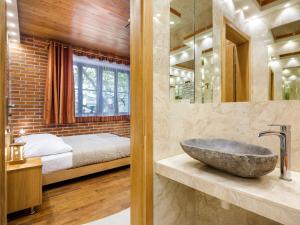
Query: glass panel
[123,102]
[75,72]
[204,64]
[123,82]
[108,103]
[89,78]
[89,90]
[182,63]
[89,102]
[108,81]
[123,92]
[108,92]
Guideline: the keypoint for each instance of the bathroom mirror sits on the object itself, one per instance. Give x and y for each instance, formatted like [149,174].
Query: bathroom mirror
[243,51]
[191,51]
[182,63]
[284,62]
[204,61]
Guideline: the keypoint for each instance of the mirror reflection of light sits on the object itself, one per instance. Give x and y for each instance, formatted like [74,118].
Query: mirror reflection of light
[270,50]
[184,54]
[286,71]
[255,23]
[173,60]
[172,82]
[292,62]
[288,13]
[274,64]
[290,45]
[293,77]
[207,43]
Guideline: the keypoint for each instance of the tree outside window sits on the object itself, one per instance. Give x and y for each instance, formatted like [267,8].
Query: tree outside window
[101,91]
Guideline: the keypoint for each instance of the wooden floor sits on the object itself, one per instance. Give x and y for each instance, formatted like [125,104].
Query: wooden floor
[81,200]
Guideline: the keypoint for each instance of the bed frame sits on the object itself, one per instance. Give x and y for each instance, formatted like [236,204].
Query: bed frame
[68,174]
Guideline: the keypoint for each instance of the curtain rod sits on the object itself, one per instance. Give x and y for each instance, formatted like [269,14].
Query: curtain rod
[101,55]
[88,53]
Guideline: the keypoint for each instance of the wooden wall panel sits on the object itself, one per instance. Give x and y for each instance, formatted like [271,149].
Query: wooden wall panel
[141,55]
[2,112]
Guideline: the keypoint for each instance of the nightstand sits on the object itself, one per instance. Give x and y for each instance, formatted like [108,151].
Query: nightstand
[24,185]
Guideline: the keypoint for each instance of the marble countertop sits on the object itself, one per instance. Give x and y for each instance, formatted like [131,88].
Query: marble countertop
[267,196]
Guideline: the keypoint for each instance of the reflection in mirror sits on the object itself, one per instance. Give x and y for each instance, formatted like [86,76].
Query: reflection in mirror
[182,51]
[250,51]
[274,29]
[191,61]
[203,37]
[235,64]
[284,62]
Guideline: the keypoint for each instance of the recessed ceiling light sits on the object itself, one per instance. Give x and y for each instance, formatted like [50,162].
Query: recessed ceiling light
[9,1]
[246,7]
[287,5]
[158,14]
[12,33]
[10,14]
[172,22]
[13,25]
[238,11]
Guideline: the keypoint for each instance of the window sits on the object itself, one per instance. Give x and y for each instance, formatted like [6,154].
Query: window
[101,88]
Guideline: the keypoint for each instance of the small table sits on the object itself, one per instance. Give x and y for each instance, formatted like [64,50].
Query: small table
[24,185]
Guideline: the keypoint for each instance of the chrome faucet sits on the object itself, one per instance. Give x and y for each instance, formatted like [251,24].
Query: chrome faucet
[285,148]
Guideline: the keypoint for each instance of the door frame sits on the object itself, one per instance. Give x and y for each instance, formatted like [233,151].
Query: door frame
[2,111]
[141,76]
[141,53]
[243,44]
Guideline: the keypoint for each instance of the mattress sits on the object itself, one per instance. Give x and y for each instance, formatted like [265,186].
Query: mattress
[86,150]
[96,148]
[52,163]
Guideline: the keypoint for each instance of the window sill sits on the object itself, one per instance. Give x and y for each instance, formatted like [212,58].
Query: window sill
[86,119]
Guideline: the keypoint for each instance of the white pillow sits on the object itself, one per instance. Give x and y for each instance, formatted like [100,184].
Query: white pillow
[43,144]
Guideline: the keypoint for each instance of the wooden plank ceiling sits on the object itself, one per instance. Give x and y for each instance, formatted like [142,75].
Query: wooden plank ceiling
[286,30]
[94,24]
[265,2]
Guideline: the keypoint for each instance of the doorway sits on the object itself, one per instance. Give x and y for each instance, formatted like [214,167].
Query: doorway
[235,64]
[141,113]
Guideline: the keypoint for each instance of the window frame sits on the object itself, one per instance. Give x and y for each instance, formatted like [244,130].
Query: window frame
[99,90]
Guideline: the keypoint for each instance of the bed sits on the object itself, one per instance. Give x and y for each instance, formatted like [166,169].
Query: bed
[82,155]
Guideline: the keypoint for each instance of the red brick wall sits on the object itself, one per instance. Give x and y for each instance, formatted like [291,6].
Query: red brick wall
[28,68]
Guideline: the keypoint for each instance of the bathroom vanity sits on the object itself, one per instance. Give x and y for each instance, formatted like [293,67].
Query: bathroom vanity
[267,196]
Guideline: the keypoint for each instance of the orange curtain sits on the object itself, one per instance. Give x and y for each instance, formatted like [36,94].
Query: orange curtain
[59,105]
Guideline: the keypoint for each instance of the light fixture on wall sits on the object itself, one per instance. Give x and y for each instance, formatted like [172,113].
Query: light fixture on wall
[12,23]
[10,14]
[22,132]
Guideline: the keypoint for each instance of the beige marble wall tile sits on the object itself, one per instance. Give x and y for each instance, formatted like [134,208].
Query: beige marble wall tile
[210,212]
[173,122]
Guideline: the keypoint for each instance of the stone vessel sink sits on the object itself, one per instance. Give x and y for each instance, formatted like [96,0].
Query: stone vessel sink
[234,157]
